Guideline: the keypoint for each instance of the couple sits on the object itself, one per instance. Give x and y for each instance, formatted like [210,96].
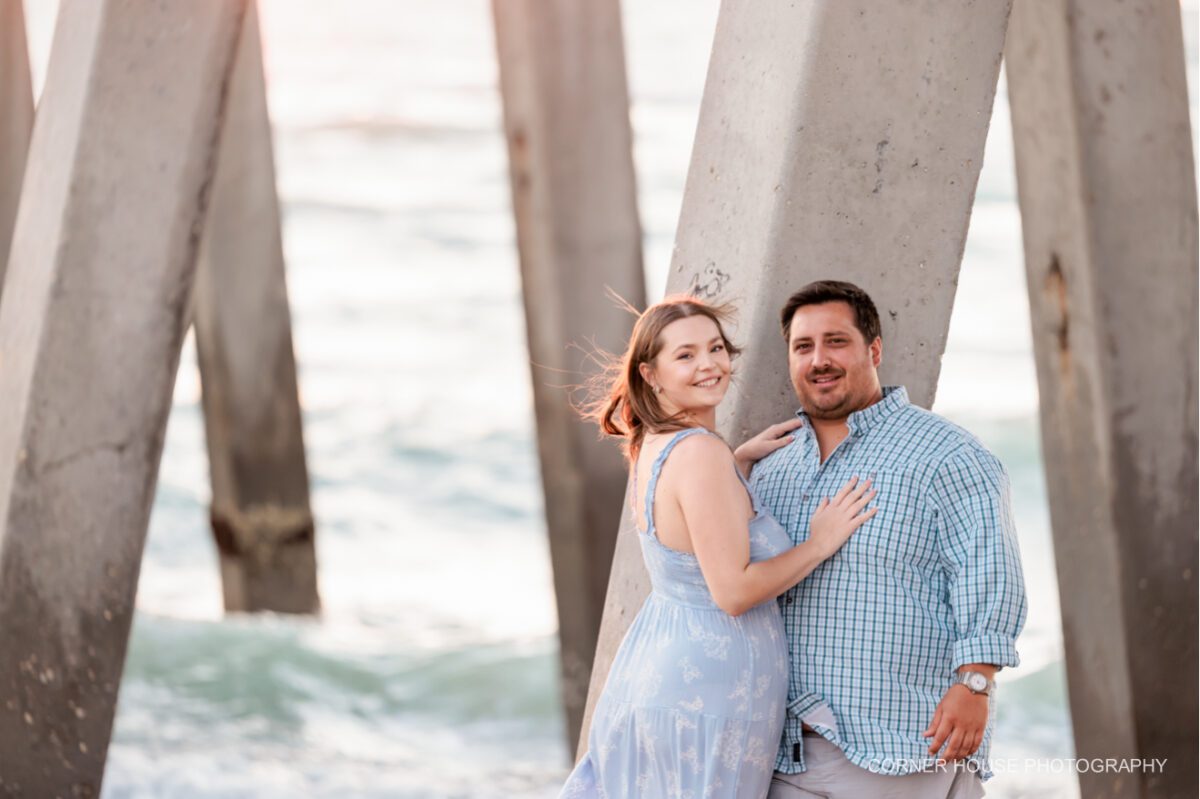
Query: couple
[883,530]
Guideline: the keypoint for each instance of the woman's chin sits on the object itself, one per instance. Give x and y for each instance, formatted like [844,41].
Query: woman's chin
[706,404]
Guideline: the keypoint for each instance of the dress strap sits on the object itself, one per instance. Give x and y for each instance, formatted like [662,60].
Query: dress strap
[656,470]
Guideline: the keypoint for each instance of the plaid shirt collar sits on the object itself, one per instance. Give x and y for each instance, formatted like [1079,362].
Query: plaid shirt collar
[859,422]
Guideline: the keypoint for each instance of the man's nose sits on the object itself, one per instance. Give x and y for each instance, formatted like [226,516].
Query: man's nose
[820,356]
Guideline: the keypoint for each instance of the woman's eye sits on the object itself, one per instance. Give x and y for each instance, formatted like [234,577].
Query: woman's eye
[718,348]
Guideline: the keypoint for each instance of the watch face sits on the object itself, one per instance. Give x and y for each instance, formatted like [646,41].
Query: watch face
[977,682]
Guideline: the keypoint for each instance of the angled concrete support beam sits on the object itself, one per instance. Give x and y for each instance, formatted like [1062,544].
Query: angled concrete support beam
[566,116]
[16,118]
[261,516]
[91,323]
[836,139]
[1108,207]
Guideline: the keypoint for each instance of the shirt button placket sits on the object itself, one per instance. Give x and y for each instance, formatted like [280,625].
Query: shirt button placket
[802,510]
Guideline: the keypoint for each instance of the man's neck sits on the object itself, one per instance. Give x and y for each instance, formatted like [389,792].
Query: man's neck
[831,432]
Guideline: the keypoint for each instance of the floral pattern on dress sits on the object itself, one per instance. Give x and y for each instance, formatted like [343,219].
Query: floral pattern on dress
[694,704]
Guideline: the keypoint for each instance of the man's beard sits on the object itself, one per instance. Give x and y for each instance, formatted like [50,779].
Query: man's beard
[838,410]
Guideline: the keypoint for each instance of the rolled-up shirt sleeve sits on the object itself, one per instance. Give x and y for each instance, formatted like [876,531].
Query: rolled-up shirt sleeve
[981,558]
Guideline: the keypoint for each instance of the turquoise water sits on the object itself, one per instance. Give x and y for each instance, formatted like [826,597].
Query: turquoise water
[432,671]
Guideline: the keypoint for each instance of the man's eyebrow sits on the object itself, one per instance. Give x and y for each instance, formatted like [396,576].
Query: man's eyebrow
[826,334]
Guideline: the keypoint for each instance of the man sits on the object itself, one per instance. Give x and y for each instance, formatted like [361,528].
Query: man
[896,639]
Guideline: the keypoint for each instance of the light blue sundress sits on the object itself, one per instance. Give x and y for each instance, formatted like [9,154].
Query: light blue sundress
[694,703]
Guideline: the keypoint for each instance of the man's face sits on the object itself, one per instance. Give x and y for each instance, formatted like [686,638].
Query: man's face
[831,364]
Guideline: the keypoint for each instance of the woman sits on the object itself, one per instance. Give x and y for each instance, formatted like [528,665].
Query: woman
[694,703]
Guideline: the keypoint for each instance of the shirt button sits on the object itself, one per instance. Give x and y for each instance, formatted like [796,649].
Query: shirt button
[788,600]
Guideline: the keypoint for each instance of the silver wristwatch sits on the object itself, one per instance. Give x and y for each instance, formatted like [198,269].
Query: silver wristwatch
[976,682]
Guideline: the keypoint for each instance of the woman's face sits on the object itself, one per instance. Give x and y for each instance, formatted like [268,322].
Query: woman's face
[692,368]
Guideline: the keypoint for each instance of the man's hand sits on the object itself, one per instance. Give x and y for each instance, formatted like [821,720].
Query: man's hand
[958,723]
[763,444]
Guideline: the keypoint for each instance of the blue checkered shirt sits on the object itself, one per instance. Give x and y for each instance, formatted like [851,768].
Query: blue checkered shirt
[932,582]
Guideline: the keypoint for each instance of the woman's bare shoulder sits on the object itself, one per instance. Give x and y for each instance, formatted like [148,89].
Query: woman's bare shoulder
[704,479]
[701,453]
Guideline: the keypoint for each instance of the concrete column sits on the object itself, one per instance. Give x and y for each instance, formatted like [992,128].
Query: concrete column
[261,517]
[566,117]
[91,323]
[1108,206]
[16,118]
[836,139]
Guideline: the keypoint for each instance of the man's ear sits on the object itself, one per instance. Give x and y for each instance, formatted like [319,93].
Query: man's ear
[877,351]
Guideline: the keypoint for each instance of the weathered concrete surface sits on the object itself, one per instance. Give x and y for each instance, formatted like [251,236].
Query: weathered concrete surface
[566,116]
[835,140]
[91,322]
[16,118]
[261,516]
[1108,206]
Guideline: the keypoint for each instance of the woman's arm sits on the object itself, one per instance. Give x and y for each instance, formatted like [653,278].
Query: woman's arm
[714,503]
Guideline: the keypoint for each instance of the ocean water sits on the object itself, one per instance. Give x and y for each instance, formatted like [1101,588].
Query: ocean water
[432,671]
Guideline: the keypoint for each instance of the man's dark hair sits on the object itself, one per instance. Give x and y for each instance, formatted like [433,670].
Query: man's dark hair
[866,317]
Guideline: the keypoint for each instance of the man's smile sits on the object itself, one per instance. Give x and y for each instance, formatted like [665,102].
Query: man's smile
[824,380]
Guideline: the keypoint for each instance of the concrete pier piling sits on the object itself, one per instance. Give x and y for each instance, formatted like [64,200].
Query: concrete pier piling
[16,118]
[261,517]
[1108,206]
[566,118]
[117,183]
[835,140]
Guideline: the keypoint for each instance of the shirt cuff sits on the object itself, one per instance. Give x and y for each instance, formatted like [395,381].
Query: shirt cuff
[997,650]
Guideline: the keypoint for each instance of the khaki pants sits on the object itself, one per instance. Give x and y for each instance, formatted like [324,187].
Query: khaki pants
[831,776]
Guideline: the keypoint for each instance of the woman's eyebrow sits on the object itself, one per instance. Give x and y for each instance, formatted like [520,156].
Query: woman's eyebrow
[711,341]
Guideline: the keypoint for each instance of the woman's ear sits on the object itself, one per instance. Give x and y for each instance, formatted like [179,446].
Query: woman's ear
[646,372]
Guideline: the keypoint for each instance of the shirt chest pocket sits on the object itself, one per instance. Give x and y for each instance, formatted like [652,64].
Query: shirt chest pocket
[903,531]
